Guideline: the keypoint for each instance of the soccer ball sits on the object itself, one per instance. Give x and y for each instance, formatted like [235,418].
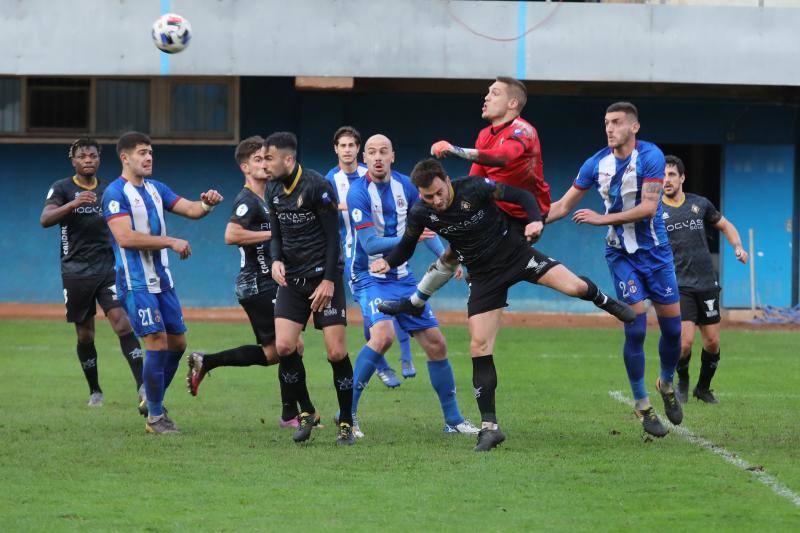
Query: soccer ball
[171,33]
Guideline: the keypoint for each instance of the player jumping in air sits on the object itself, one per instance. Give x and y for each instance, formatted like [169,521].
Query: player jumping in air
[507,151]
[134,206]
[379,204]
[464,212]
[628,174]
[249,229]
[686,217]
[307,265]
[346,145]
[87,265]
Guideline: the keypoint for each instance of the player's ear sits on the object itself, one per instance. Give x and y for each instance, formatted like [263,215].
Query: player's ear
[635,127]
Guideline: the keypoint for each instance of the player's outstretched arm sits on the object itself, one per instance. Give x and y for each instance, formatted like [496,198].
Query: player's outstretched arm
[126,237]
[495,157]
[236,234]
[52,214]
[199,208]
[732,235]
[565,204]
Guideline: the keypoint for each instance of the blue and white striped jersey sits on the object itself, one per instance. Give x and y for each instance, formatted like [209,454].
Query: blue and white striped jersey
[140,270]
[384,206]
[619,182]
[341,182]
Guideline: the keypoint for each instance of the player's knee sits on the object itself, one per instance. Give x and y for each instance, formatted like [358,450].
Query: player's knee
[284,347]
[711,344]
[301,347]
[336,353]
[436,347]
[380,341]
[85,334]
[576,287]
[636,331]
[270,353]
[686,348]
[479,346]
[178,345]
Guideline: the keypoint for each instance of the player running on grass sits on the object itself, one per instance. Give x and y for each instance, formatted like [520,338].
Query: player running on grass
[307,265]
[133,206]
[346,145]
[629,174]
[686,217]
[465,213]
[249,229]
[87,265]
[507,151]
[379,204]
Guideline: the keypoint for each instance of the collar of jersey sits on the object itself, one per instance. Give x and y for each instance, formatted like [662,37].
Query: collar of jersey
[502,127]
[296,180]
[673,204]
[76,182]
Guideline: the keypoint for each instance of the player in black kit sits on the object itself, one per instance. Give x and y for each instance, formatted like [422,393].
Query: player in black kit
[308,267]
[249,228]
[686,217]
[464,212]
[87,265]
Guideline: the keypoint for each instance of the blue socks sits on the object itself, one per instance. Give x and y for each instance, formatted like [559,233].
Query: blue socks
[366,363]
[404,340]
[158,370]
[633,352]
[669,346]
[153,375]
[444,383]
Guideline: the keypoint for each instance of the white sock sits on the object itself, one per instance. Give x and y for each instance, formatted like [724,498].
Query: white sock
[438,274]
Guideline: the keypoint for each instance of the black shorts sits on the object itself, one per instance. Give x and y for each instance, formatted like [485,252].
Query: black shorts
[700,307]
[293,304]
[260,310]
[81,294]
[489,291]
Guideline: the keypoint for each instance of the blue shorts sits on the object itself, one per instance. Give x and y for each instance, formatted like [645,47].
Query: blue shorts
[154,312]
[634,283]
[375,292]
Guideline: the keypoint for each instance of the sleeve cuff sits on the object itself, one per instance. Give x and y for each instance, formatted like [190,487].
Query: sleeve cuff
[116,215]
[364,225]
[581,187]
[175,201]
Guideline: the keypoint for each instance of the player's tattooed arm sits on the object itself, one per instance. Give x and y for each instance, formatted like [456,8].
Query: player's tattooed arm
[647,208]
[442,149]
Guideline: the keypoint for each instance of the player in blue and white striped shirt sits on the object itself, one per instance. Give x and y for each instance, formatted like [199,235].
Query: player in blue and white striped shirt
[346,144]
[134,208]
[378,204]
[629,174]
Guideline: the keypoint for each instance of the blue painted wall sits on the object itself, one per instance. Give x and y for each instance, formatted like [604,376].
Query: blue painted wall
[571,129]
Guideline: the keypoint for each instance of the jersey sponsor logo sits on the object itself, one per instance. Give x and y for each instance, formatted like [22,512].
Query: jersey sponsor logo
[65,240]
[464,224]
[357,215]
[691,225]
[296,218]
[326,199]
[241,210]
[49,194]
[113,207]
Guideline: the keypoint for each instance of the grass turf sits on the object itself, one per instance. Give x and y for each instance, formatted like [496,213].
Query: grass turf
[574,459]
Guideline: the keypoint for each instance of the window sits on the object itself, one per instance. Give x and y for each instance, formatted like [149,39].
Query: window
[58,103]
[122,105]
[199,107]
[10,105]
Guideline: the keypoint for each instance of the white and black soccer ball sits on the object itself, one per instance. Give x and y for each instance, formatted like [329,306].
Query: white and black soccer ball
[171,33]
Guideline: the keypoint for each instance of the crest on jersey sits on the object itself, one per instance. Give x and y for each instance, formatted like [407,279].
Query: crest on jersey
[434,218]
[300,202]
[465,205]
[400,201]
[695,209]
[241,210]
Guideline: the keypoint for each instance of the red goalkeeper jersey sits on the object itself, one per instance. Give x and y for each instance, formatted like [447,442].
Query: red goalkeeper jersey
[515,146]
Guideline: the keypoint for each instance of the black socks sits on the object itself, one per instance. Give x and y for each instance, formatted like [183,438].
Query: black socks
[343,382]
[87,355]
[484,380]
[248,355]
[133,354]
[293,377]
[708,366]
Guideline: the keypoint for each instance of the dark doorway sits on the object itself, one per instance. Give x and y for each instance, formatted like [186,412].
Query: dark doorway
[703,176]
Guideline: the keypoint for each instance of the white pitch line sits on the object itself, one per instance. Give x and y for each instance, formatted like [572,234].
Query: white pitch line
[767,479]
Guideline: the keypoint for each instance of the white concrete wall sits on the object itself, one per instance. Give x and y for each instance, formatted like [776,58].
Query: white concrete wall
[408,38]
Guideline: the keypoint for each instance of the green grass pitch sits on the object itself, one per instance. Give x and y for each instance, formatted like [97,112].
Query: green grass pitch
[575,458]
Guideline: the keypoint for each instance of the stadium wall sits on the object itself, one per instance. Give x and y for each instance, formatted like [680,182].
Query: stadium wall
[571,130]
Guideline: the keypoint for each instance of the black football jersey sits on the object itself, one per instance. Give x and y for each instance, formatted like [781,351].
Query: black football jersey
[295,208]
[85,241]
[473,225]
[251,213]
[686,227]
